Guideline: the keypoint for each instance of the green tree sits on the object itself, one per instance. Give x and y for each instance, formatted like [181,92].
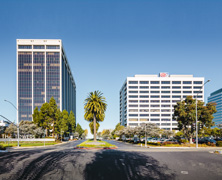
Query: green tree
[117,128]
[63,125]
[95,107]
[36,117]
[52,113]
[91,126]
[185,114]
[45,119]
[72,122]
[59,117]
[79,130]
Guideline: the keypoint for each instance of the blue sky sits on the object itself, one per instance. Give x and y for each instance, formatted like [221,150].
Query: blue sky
[106,41]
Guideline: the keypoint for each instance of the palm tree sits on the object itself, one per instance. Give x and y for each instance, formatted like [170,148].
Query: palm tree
[95,107]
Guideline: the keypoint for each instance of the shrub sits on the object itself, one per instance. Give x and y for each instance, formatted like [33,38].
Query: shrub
[153,143]
[219,143]
[2,147]
[210,144]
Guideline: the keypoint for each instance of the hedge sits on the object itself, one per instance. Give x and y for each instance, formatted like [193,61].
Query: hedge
[219,143]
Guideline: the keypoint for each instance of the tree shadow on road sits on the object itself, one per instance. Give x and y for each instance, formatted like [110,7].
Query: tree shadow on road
[115,165]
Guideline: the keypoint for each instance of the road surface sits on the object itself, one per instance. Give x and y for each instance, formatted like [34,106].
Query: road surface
[126,162]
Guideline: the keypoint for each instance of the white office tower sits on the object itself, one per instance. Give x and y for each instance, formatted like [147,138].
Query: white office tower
[151,98]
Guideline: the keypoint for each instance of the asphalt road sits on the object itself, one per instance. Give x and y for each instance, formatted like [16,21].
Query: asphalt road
[127,162]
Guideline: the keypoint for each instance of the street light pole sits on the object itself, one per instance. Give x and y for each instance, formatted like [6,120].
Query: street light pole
[196,113]
[17,119]
[145,137]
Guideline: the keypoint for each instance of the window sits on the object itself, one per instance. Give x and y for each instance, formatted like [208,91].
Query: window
[52,47]
[144,96]
[133,124]
[155,96]
[165,101]
[165,87]
[25,46]
[165,96]
[165,115]
[176,82]
[175,101]
[144,91]
[144,119]
[176,96]
[155,87]
[165,119]
[154,110]
[197,87]
[174,124]
[154,119]
[144,101]
[144,114]
[133,105]
[133,82]
[187,87]
[155,101]
[133,101]
[133,91]
[38,47]
[186,92]
[155,82]
[165,124]
[176,92]
[165,82]
[133,96]
[176,87]
[198,96]
[187,82]
[155,92]
[198,92]
[154,115]
[144,110]
[144,87]
[133,114]
[165,105]
[154,105]
[133,119]
[142,105]
[133,87]
[165,92]
[133,110]
[197,82]
[144,82]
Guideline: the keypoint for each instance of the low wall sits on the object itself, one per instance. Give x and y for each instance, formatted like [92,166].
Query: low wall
[34,139]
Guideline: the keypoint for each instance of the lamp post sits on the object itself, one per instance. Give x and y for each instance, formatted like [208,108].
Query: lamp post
[17,119]
[196,113]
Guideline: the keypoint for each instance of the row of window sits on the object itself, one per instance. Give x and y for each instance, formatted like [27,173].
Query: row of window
[151,110]
[38,47]
[152,115]
[165,87]
[166,92]
[165,82]
[157,96]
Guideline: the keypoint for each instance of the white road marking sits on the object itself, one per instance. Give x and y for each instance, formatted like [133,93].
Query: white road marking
[184,172]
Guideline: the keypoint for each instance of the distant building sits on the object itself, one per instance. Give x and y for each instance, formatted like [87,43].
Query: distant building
[151,98]
[43,71]
[216,97]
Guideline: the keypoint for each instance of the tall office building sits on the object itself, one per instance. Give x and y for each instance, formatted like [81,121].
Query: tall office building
[43,71]
[151,98]
[216,97]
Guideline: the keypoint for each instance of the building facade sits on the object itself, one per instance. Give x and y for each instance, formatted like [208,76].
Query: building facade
[151,98]
[43,71]
[216,97]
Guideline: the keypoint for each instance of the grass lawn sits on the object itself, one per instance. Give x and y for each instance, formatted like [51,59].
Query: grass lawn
[101,144]
[27,144]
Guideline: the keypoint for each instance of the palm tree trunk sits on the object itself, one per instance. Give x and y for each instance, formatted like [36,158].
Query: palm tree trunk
[94,123]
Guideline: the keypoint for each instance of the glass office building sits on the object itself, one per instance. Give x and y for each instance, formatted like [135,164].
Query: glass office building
[43,71]
[216,97]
